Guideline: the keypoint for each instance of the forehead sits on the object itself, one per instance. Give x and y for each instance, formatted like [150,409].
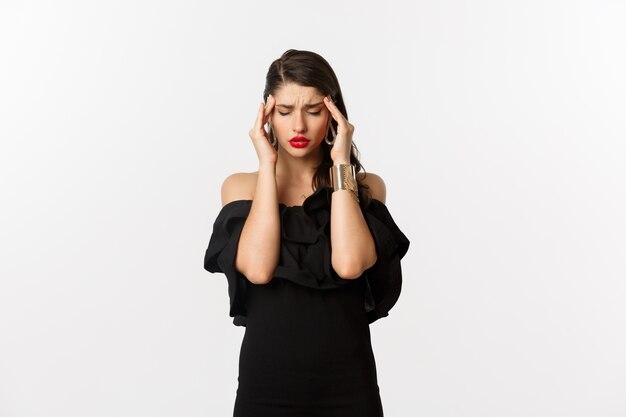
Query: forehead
[292,93]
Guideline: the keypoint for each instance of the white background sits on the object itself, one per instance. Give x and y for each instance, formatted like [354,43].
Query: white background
[498,127]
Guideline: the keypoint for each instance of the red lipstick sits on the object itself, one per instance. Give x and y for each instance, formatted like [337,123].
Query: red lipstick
[299,141]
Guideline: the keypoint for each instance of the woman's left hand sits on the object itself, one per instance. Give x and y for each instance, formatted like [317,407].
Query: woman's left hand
[342,148]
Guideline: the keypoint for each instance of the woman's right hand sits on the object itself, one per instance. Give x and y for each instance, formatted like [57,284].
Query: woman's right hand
[265,151]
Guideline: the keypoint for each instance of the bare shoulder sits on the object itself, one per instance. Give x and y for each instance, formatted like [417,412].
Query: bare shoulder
[376,185]
[238,186]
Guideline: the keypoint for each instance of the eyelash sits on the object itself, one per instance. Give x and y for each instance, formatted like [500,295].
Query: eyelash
[311,113]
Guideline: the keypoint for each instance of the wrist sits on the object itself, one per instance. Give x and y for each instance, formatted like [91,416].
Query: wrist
[267,166]
[341,161]
[343,177]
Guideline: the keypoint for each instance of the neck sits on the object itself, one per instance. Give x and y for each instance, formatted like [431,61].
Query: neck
[298,170]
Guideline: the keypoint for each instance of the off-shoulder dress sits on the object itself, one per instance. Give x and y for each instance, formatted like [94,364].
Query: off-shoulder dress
[306,350]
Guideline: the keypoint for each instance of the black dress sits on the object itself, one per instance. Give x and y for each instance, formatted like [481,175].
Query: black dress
[306,350]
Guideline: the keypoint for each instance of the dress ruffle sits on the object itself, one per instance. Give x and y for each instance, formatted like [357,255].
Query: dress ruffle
[305,252]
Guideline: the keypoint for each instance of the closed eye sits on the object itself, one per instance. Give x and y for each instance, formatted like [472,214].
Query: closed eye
[313,113]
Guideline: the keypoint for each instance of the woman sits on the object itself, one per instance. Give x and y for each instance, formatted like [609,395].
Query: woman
[306,350]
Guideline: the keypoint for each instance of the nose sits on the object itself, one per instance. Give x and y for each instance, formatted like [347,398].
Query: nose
[299,125]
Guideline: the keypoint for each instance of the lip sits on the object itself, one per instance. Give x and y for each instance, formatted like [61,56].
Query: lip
[298,141]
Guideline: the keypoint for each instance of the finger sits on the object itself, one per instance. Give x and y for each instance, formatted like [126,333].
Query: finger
[335,112]
[332,108]
[269,106]
[258,123]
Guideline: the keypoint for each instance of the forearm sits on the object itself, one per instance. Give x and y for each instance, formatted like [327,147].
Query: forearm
[259,244]
[352,244]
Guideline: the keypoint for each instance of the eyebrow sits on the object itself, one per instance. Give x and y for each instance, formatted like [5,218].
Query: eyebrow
[306,106]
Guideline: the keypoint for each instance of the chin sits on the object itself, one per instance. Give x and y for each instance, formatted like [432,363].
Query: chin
[297,152]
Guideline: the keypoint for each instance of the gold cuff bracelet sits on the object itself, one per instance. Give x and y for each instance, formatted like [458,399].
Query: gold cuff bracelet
[343,177]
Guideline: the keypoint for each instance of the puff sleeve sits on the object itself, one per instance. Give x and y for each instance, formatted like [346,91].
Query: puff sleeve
[383,281]
[222,250]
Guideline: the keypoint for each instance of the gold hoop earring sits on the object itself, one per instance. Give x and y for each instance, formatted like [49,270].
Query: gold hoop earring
[332,130]
[273,141]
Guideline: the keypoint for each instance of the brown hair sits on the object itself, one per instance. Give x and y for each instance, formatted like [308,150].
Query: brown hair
[309,69]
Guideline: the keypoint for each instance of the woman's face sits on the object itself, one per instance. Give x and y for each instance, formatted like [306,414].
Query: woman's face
[299,115]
